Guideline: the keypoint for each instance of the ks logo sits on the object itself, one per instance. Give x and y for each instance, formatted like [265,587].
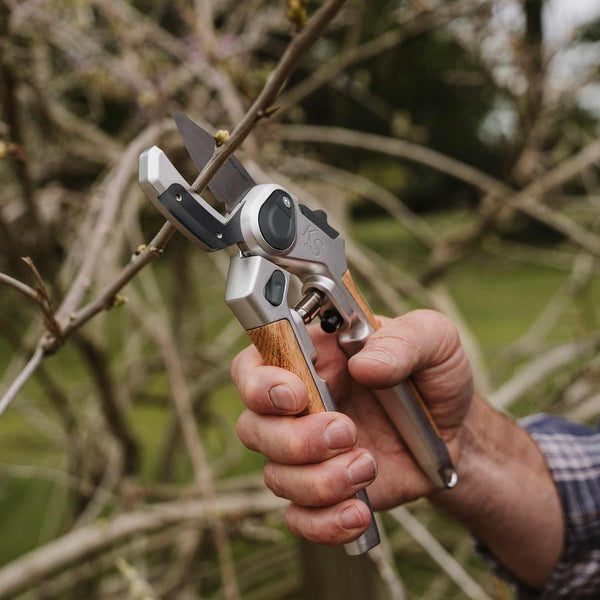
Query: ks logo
[313,244]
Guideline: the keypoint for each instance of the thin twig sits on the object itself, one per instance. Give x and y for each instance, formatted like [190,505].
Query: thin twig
[40,296]
[394,147]
[383,558]
[441,556]
[360,53]
[579,277]
[21,287]
[104,300]
[260,109]
[22,378]
[50,320]
[139,588]
[545,364]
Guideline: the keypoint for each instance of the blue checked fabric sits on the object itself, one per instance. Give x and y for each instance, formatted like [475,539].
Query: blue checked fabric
[572,453]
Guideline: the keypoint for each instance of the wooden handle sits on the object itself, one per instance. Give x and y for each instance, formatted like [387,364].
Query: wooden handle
[278,346]
[351,287]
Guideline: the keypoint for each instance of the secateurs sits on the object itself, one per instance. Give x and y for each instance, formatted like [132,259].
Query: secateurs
[270,236]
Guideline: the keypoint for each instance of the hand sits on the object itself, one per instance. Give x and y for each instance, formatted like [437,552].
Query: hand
[319,461]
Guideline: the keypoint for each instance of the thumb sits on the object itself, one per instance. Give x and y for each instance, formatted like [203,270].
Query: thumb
[414,342]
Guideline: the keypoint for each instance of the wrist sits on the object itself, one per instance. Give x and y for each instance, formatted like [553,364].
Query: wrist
[478,445]
[505,494]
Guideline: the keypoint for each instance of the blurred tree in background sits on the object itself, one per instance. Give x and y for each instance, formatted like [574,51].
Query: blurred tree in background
[453,143]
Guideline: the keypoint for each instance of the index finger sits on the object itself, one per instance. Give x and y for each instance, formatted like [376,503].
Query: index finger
[265,389]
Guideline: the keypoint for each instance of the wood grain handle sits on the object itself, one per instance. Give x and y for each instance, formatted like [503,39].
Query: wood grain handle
[351,287]
[279,347]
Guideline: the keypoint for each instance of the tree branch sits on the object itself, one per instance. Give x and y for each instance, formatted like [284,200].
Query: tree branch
[394,147]
[526,200]
[22,378]
[355,54]
[21,287]
[112,192]
[299,44]
[441,556]
[46,305]
[91,540]
[534,372]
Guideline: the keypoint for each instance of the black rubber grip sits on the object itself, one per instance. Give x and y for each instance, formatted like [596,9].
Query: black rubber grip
[199,222]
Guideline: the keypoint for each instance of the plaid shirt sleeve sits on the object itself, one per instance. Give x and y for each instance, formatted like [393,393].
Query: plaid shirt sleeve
[572,453]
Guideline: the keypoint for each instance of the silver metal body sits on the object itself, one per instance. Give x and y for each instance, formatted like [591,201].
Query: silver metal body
[245,296]
[319,260]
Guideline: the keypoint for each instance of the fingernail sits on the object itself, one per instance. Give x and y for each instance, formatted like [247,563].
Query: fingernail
[377,355]
[362,469]
[339,434]
[350,518]
[282,397]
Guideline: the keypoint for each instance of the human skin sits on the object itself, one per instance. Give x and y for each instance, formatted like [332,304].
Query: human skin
[505,495]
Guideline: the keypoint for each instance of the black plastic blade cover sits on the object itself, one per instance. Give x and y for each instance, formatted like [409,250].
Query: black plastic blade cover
[232,182]
[201,227]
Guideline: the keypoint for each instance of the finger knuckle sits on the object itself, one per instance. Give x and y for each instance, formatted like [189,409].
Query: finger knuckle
[271,480]
[299,446]
[251,391]
[326,489]
[234,369]
[442,323]
[401,331]
[447,333]
[421,327]
[330,533]
[450,336]
[410,328]
[321,529]
[244,430]
[292,522]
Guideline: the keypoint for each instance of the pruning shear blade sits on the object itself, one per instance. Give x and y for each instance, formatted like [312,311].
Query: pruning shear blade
[232,182]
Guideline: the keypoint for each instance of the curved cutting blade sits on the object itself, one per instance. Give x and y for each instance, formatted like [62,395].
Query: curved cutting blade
[232,182]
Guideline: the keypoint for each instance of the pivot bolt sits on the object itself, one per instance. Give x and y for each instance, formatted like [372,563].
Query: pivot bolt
[308,306]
